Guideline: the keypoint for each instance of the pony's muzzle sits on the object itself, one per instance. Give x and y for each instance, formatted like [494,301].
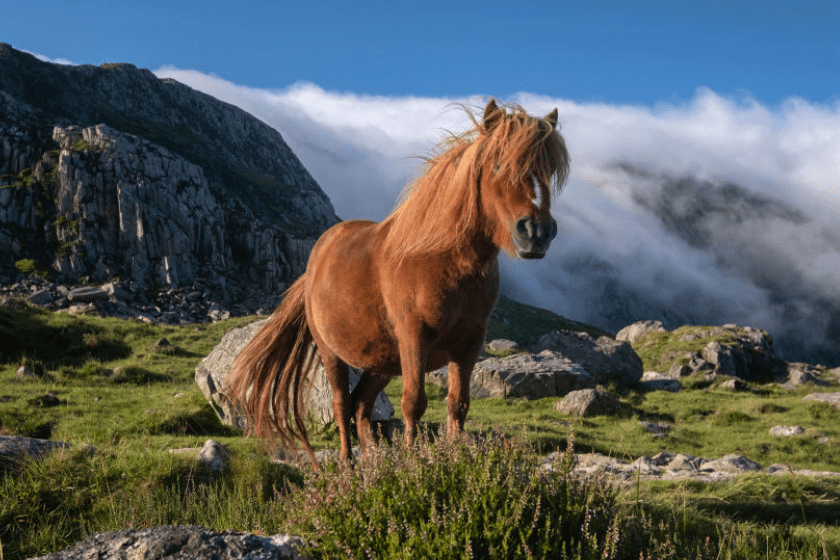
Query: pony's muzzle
[531,239]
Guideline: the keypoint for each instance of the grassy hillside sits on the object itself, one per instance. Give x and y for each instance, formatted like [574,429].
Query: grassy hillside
[113,390]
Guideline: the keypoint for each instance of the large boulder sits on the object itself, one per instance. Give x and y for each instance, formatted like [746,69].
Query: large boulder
[211,374]
[604,358]
[529,376]
[188,541]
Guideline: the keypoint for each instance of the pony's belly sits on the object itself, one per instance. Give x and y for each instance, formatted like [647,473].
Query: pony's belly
[344,301]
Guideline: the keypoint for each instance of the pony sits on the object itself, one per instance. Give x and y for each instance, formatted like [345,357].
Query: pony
[412,293]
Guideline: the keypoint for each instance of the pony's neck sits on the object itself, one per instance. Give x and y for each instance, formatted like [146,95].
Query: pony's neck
[441,217]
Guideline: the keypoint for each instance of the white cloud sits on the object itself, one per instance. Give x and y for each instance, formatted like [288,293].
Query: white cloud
[766,270]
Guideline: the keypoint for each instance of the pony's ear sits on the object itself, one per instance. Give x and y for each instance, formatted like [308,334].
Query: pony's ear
[551,118]
[492,116]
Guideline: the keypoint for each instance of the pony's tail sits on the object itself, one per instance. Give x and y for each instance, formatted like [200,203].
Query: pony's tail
[269,382]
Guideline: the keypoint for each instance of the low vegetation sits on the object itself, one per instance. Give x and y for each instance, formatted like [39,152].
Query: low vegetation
[122,405]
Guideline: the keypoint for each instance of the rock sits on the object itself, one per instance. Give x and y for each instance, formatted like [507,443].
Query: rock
[800,374]
[588,402]
[733,351]
[41,297]
[502,345]
[166,188]
[18,447]
[832,399]
[632,333]
[604,358]
[529,376]
[679,370]
[731,462]
[734,384]
[175,542]
[214,456]
[645,465]
[655,381]
[24,373]
[786,431]
[163,346]
[88,295]
[720,357]
[45,401]
[212,371]
[683,462]
[658,429]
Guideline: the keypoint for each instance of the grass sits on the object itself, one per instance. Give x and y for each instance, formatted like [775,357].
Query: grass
[489,496]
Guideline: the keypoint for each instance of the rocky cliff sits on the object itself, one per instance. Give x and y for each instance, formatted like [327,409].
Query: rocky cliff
[111,173]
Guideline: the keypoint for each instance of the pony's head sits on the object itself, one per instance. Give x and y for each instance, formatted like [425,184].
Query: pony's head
[522,161]
[491,183]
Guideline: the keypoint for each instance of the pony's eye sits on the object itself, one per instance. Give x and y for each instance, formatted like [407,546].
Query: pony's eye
[496,168]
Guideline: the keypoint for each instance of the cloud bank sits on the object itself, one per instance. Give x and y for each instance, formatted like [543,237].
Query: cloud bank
[715,211]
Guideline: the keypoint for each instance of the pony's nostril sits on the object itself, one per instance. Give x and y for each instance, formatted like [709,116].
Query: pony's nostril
[553,229]
[525,228]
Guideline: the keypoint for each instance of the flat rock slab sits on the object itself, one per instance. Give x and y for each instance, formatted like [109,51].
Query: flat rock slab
[529,376]
[169,542]
[19,447]
[829,398]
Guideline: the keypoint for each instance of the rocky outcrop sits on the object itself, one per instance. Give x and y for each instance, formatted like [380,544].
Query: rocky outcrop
[211,374]
[632,333]
[529,376]
[111,173]
[605,358]
[745,353]
[186,541]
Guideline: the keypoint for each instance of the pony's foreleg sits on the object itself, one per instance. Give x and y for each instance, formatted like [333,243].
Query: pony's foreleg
[338,374]
[364,398]
[458,398]
[414,400]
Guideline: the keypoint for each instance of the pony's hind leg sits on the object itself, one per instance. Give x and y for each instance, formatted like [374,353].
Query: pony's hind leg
[338,374]
[363,398]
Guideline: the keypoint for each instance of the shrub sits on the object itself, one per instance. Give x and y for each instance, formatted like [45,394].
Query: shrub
[482,499]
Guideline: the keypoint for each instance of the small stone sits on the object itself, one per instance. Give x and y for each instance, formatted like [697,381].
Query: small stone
[45,401]
[24,373]
[786,431]
[588,402]
[163,346]
[214,456]
[655,381]
[734,384]
[658,429]
[502,345]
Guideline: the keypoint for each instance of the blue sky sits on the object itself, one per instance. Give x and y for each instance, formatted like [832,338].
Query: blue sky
[639,53]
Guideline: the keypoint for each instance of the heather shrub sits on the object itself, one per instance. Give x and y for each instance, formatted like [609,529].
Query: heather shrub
[486,498]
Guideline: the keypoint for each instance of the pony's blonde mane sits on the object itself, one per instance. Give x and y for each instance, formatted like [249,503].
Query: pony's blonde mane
[440,208]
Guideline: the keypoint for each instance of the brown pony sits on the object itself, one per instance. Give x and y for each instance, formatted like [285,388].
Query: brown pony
[412,293]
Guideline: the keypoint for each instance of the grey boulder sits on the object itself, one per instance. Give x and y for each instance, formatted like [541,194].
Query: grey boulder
[169,542]
[212,372]
[604,358]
